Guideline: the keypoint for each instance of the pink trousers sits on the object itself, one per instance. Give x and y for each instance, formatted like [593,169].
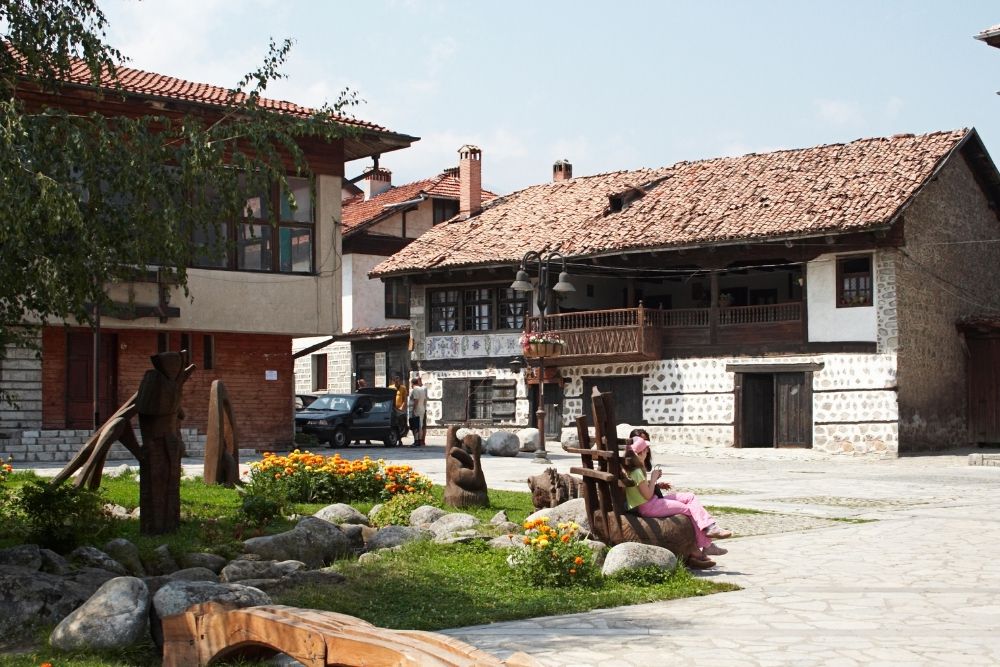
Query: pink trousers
[680,503]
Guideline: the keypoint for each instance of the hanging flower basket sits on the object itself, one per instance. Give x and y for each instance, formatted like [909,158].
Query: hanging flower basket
[541,345]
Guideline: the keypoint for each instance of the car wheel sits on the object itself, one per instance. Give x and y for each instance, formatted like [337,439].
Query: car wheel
[339,438]
[391,438]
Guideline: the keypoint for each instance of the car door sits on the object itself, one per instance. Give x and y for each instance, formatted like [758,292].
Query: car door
[373,424]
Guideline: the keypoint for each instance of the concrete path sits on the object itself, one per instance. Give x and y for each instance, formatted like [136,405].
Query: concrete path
[917,583]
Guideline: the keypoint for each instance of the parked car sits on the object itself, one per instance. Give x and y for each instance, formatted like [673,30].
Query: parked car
[339,419]
[302,401]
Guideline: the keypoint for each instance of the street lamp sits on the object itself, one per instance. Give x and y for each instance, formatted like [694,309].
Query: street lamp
[522,283]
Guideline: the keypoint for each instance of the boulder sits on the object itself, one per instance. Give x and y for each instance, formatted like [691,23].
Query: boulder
[113,618]
[240,570]
[117,511]
[499,518]
[53,563]
[161,561]
[452,523]
[510,527]
[28,556]
[176,596]
[528,437]
[571,510]
[94,557]
[213,562]
[425,515]
[622,430]
[127,554]
[393,536]
[600,550]
[29,598]
[503,443]
[507,542]
[633,555]
[355,534]
[299,579]
[339,513]
[193,574]
[374,510]
[313,541]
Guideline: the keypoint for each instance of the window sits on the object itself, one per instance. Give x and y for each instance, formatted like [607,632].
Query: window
[854,281]
[397,299]
[445,209]
[186,343]
[162,341]
[208,352]
[270,237]
[319,372]
[478,399]
[482,309]
[364,368]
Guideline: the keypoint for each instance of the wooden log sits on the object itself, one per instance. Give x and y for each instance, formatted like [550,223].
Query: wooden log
[222,458]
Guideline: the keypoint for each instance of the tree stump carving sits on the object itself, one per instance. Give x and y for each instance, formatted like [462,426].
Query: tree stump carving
[465,485]
[222,454]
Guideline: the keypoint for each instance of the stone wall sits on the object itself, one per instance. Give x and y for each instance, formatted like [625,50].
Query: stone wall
[21,376]
[940,277]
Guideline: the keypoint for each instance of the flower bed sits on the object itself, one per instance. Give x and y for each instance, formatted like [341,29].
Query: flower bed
[302,476]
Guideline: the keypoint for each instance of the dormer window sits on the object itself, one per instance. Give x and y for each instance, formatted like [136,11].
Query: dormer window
[621,200]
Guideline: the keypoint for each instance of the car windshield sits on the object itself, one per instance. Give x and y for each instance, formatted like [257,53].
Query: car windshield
[332,402]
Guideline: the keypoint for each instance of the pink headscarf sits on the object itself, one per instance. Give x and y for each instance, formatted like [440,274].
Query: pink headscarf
[639,444]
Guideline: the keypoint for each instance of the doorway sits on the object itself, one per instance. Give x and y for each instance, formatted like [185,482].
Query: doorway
[773,409]
[80,379]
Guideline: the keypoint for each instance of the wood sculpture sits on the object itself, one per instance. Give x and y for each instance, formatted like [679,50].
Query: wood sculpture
[158,404]
[604,493]
[552,488]
[211,632]
[465,485]
[222,454]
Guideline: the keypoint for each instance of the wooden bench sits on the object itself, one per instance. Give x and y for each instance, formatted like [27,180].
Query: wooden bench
[210,632]
[604,489]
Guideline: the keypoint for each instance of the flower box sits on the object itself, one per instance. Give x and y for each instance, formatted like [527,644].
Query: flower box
[535,350]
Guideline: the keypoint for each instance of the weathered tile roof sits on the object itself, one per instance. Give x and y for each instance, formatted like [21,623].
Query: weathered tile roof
[151,84]
[357,211]
[834,188]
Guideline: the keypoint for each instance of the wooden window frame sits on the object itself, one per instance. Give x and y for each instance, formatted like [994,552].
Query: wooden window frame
[208,352]
[861,297]
[442,209]
[394,310]
[272,224]
[495,396]
[473,300]
[500,296]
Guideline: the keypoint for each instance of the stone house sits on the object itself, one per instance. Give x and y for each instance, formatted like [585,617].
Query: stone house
[799,298]
[379,220]
[278,280]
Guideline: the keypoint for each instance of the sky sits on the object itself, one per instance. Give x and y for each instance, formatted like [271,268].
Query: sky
[608,86]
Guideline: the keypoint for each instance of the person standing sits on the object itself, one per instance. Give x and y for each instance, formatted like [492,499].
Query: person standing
[418,411]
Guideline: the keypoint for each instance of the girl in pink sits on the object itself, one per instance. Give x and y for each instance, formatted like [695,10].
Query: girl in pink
[643,498]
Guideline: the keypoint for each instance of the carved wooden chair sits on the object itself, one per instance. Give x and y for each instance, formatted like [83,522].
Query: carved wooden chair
[604,488]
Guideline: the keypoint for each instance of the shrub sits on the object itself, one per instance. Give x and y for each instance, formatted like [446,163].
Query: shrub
[312,478]
[61,517]
[396,511]
[554,556]
[259,510]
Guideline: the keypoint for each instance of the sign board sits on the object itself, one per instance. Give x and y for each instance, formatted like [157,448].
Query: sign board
[270,375]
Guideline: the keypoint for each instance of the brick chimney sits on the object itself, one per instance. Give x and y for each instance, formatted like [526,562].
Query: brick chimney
[562,170]
[375,182]
[470,174]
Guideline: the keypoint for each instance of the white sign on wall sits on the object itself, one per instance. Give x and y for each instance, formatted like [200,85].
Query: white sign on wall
[270,375]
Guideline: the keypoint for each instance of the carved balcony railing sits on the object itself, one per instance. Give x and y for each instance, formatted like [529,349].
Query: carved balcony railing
[634,334]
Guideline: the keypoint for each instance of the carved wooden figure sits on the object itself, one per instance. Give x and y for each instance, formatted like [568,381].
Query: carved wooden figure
[222,454]
[158,403]
[465,484]
[552,488]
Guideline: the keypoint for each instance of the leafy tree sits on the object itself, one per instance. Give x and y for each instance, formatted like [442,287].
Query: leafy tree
[87,198]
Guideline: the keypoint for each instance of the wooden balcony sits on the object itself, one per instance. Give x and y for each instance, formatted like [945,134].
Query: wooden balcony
[640,334]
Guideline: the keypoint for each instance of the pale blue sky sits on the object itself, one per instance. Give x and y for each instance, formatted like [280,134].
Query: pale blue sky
[607,86]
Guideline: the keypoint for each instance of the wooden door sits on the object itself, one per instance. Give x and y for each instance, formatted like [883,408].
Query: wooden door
[627,392]
[984,390]
[80,381]
[757,410]
[793,409]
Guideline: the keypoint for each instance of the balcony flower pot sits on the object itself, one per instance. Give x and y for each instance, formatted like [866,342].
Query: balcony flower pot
[546,349]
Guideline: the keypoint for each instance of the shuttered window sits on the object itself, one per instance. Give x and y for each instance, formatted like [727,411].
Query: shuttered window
[486,399]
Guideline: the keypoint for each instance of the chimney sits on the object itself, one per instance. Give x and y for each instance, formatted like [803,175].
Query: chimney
[562,170]
[470,174]
[375,182]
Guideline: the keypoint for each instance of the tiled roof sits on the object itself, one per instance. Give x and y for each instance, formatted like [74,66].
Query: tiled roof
[150,84]
[825,189]
[357,211]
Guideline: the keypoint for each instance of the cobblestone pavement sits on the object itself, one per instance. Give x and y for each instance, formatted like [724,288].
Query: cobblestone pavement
[914,582]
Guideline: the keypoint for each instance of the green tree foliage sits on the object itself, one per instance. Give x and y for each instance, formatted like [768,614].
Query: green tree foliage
[88,199]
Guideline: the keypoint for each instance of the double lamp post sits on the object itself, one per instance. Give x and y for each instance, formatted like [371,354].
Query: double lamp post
[522,283]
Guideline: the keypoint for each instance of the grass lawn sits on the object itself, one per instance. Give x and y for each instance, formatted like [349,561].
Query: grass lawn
[423,586]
